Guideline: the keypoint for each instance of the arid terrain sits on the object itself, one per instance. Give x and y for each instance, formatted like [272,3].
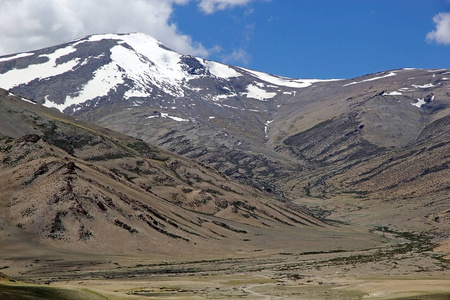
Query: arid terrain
[399,268]
[75,224]
[218,182]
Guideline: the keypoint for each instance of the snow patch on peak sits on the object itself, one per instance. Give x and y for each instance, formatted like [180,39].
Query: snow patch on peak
[394,93]
[105,79]
[122,37]
[26,100]
[371,79]
[47,69]
[284,81]
[223,96]
[59,53]
[419,102]
[178,119]
[220,70]
[266,127]
[256,92]
[425,86]
[167,116]
[20,55]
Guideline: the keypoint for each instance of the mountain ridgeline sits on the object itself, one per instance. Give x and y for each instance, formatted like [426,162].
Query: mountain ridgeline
[374,145]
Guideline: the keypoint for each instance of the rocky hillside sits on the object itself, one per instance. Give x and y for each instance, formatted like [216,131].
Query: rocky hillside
[373,149]
[366,149]
[75,184]
[351,122]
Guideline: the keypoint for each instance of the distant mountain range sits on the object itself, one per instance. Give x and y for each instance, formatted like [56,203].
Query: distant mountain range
[373,149]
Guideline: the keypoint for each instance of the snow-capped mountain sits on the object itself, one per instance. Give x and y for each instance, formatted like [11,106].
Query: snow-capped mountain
[259,128]
[380,137]
[134,68]
[134,84]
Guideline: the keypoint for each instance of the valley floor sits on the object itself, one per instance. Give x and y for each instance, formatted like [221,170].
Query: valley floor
[243,286]
[404,266]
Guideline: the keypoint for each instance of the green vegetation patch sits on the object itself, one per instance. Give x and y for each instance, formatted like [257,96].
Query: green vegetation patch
[22,292]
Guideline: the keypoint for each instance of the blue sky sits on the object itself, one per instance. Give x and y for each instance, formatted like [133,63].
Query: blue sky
[293,38]
[319,38]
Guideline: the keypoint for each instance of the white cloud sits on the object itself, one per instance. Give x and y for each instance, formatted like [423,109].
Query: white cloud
[238,56]
[442,33]
[29,24]
[211,6]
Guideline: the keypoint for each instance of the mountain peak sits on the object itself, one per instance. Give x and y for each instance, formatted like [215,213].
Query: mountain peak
[131,67]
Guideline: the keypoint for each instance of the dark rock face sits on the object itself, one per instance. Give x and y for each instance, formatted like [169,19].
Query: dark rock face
[42,170]
[429,98]
[31,138]
[192,65]
[71,167]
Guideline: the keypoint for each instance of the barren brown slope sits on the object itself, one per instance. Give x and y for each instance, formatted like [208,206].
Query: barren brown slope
[367,154]
[81,187]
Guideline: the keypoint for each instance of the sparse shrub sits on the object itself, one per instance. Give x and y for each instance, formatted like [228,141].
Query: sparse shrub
[125,226]
[101,206]
[222,203]
[57,225]
[226,226]
[214,192]
[85,234]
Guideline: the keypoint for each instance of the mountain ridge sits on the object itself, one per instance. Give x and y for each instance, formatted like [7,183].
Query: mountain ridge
[138,58]
[294,138]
